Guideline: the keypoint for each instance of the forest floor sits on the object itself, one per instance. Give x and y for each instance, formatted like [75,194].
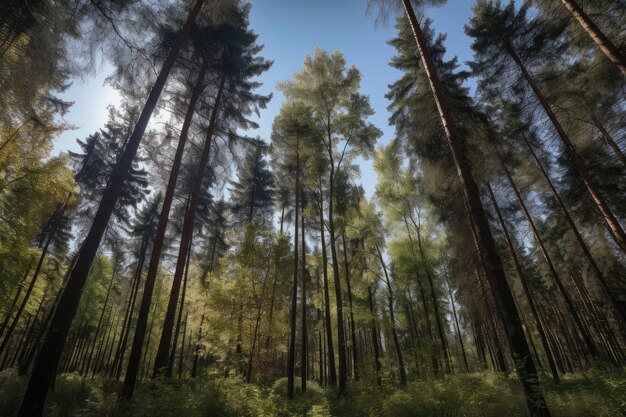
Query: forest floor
[601,394]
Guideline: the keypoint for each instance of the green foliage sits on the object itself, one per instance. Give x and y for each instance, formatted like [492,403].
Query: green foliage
[467,395]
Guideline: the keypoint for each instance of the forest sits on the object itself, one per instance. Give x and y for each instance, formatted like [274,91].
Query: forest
[173,263]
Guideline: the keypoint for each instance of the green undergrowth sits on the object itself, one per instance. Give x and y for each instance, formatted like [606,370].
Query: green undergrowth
[485,394]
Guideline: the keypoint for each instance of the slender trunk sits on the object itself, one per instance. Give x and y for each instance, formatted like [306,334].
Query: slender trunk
[97,333]
[490,258]
[119,361]
[182,347]
[162,355]
[16,297]
[304,356]
[196,353]
[374,330]
[46,363]
[572,309]
[355,361]
[612,223]
[594,266]
[341,335]
[153,266]
[257,323]
[605,45]
[525,286]
[33,281]
[291,363]
[457,326]
[433,296]
[608,138]
[392,318]
[170,364]
[330,350]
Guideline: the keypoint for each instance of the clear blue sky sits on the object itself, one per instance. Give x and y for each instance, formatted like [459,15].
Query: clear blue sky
[291,29]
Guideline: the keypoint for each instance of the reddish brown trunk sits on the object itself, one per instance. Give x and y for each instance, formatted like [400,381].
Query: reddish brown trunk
[596,35]
[612,223]
[490,258]
[46,364]
[162,355]
[594,267]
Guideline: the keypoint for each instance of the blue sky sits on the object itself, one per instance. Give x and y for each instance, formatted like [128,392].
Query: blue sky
[290,30]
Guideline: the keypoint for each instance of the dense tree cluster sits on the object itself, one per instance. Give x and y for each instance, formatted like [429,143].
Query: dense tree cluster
[494,240]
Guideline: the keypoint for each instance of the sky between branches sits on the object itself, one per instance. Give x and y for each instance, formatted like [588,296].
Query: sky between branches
[290,30]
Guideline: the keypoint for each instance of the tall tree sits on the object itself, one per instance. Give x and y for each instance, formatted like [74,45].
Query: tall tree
[46,363]
[431,64]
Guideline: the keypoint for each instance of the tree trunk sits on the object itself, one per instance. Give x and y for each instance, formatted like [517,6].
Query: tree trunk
[182,347]
[291,363]
[29,290]
[458,328]
[612,223]
[104,307]
[153,266]
[392,318]
[608,138]
[9,312]
[162,355]
[330,350]
[491,262]
[341,335]
[374,330]
[181,306]
[529,297]
[572,309]
[596,35]
[433,296]
[594,266]
[355,361]
[196,353]
[305,340]
[45,365]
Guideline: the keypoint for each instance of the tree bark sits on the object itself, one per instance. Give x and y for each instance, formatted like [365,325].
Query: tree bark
[153,266]
[615,229]
[490,258]
[605,45]
[355,360]
[46,363]
[529,297]
[330,350]
[392,318]
[291,363]
[568,301]
[304,356]
[162,355]
[594,266]
[31,286]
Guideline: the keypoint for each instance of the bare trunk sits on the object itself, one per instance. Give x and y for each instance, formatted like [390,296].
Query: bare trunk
[612,223]
[291,362]
[529,297]
[162,355]
[392,318]
[46,363]
[330,350]
[596,35]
